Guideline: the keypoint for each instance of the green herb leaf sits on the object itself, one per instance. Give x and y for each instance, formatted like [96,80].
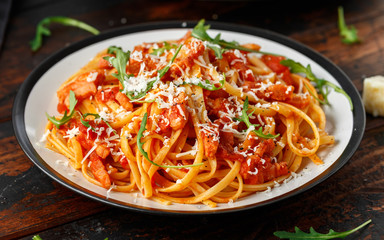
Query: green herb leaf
[145,154]
[300,235]
[211,87]
[36,237]
[207,85]
[43,30]
[348,34]
[86,123]
[160,74]
[65,118]
[159,51]
[164,70]
[120,62]
[217,44]
[245,118]
[321,85]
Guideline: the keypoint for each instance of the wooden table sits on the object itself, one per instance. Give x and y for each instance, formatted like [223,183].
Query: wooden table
[32,203]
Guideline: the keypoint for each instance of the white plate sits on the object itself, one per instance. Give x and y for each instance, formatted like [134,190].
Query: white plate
[37,96]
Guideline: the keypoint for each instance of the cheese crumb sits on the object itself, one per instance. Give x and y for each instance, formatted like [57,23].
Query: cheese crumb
[373,95]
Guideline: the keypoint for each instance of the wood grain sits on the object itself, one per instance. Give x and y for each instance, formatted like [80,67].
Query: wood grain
[32,203]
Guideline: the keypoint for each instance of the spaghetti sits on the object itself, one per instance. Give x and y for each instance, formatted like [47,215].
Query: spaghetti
[187,121]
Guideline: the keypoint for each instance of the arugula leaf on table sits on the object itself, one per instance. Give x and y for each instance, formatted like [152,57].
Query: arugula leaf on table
[300,235]
[348,34]
[43,30]
[65,118]
[145,154]
[321,85]
[217,44]
[245,118]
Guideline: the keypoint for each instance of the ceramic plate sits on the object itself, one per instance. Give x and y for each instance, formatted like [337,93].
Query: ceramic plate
[37,96]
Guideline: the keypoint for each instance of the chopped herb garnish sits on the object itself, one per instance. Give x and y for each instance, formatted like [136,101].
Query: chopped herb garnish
[348,34]
[207,85]
[164,70]
[86,123]
[120,62]
[159,51]
[211,87]
[65,118]
[245,118]
[321,85]
[145,154]
[43,30]
[298,234]
[217,44]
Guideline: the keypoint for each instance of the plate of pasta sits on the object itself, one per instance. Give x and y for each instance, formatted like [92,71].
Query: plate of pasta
[186,117]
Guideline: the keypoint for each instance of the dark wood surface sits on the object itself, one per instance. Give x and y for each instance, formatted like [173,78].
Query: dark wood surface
[31,203]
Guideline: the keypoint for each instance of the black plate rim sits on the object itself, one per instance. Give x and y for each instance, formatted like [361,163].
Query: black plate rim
[359,118]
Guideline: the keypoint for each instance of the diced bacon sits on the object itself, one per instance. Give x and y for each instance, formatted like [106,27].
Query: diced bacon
[143,59]
[176,116]
[258,168]
[81,87]
[280,92]
[110,94]
[102,151]
[104,64]
[124,101]
[275,92]
[273,62]
[99,171]
[124,162]
[252,46]
[190,52]
[210,139]
[216,94]
[240,64]
[218,105]
[105,95]
[299,101]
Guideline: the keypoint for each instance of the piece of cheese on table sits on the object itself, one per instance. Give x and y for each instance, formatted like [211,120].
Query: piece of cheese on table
[373,95]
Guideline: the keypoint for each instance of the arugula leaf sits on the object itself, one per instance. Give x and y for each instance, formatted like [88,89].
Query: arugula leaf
[43,30]
[298,234]
[159,51]
[120,62]
[217,44]
[206,85]
[65,118]
[145,154]
[245,118]
[321,85]
[86,123]
[349,35]
[164,70]
[211,87]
